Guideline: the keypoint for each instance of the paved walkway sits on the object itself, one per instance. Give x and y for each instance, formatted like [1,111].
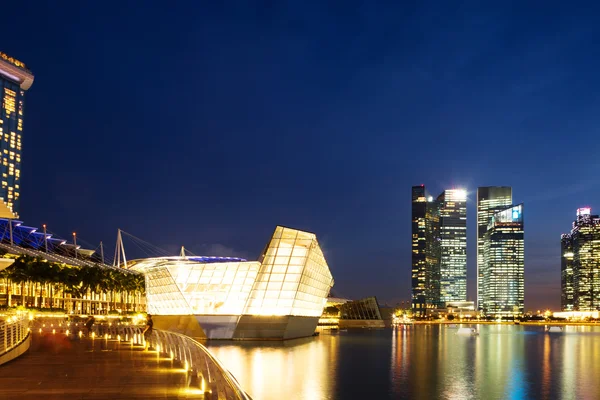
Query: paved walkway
[58,367]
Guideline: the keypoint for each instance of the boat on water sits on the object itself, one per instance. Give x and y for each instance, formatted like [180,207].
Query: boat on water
[555,329]
[467,332]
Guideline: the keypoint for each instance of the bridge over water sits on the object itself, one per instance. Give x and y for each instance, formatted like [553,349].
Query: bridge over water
[112,364]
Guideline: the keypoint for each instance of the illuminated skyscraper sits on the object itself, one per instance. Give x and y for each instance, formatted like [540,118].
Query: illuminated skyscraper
[490,199]
[566,273]
[15,79]
[584,240]
[425,252]
[453,245]
[503,269]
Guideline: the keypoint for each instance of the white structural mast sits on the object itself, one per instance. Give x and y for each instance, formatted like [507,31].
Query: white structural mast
[119,251]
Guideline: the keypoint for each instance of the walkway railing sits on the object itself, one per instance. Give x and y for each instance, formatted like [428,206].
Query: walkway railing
[13,330]
[205,373]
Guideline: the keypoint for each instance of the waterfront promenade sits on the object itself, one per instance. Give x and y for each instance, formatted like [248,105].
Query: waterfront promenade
[59,367]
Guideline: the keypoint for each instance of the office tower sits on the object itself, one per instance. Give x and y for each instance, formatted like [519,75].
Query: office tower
[585,243]
[503,281]
[425,252]
[566,273]
[490,199]
[419,257]
[15,79]
[453,245]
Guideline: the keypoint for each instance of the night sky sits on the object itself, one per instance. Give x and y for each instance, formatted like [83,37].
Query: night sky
[207,125]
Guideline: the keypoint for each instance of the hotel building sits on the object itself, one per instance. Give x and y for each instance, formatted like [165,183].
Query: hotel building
[15,79]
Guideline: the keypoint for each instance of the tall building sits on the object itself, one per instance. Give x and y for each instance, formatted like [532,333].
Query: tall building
[425,252]
[453,245]
[584,240]
[490,199]
[15,79]
[503,269]
[566,273]
[419,256]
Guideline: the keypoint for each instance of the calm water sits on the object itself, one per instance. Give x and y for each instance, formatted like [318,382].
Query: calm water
[422,362]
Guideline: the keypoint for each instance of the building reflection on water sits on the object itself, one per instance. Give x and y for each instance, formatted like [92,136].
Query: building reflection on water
[421,362]
[296,369]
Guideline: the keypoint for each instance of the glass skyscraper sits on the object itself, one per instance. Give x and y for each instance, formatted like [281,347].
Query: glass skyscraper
[452,205]
[503,269]
[425,252]
[566,273]
[490,199]
[439,245]
[582,246]
[15,79]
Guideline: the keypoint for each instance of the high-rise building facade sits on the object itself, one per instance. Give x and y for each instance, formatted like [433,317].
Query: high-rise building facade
[566,273]
[490,199]
[15,79]
[425,252]
[584,240]
[419,244]
[503,269]
[452,205]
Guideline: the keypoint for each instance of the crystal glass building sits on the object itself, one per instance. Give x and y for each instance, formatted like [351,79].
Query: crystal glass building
[503,269]
[281,296]
[490,199]
[15,79]
[584,243]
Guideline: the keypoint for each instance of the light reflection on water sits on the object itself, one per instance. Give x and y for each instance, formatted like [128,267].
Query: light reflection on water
[421,362]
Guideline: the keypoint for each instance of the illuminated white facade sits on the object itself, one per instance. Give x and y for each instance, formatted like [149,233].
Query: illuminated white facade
[291,279]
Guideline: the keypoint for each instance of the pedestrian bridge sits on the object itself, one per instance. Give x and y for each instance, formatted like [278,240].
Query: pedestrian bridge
[62,363]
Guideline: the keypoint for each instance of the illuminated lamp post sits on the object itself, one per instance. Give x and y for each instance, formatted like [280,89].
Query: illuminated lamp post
[75,242]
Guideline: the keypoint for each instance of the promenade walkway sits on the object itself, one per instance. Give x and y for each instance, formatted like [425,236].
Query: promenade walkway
[64,367]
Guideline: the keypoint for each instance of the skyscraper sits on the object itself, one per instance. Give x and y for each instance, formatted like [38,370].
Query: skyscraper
[503,269]
[15,79]
[452,205]
[425,252]
[419,231]
[490,199]
[584,240]
[566,273]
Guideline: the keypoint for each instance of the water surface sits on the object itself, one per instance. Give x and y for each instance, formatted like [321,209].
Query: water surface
[421,362]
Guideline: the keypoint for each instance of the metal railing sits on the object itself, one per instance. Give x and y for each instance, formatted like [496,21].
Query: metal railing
[205,373]
[13,330]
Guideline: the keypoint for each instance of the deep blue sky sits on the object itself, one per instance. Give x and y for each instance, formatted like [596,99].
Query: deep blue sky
[207,125]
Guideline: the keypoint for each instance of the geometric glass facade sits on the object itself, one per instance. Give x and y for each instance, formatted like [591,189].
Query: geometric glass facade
[15,79]
[503,269]
[490,199]
[366,308]
[292,278]
[453,245]
[585,243]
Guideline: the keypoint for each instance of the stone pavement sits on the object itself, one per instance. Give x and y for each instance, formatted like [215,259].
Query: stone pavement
[59,367]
